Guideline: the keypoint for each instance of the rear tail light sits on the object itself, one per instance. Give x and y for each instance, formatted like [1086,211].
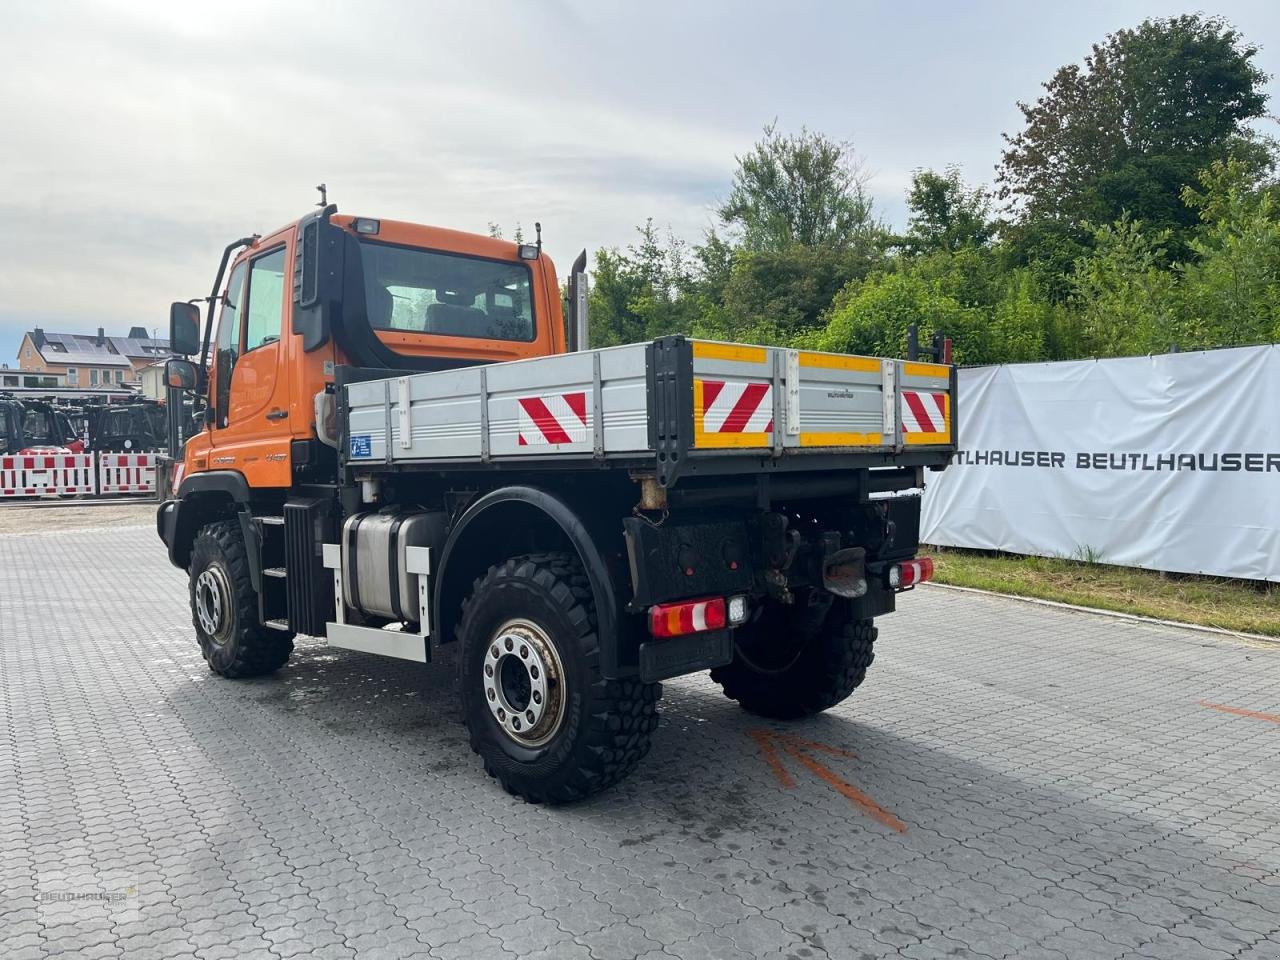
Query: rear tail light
[904,575]
[692,616]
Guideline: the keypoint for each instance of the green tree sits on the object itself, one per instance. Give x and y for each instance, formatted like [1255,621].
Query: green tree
[1125,131]
[648,291]
[945,214]
[1231,287]
[1123,293]
[871,317]
[775,297]
[802,189]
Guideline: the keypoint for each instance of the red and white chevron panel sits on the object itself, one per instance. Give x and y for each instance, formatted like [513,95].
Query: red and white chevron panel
[736,407]
[552,419]
[924,411]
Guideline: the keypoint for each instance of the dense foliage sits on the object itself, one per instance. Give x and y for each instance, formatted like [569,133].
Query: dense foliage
[1139,215]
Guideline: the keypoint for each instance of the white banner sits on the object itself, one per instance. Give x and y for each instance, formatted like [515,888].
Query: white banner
[1169,462]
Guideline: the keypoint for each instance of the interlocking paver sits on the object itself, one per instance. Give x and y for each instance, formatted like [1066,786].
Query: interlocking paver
[1064,795]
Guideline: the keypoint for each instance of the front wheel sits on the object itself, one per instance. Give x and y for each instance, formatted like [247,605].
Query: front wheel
[224,607]
[793,661]
[549,727]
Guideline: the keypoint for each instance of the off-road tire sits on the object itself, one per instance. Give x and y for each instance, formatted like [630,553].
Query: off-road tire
[606,724]
[240,646]
[826,665]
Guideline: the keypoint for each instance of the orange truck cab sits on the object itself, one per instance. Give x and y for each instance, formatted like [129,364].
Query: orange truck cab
[406,449]
[397,307]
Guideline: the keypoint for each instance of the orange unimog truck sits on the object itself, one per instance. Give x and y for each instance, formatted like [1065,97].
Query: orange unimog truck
[407,449]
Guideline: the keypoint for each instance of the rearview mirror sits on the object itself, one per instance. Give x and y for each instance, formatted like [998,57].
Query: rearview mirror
[180,374]
[184,328]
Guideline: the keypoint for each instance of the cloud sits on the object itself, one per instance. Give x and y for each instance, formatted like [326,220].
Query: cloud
[143,136]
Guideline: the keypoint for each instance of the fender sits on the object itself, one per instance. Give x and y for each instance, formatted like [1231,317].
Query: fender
[448,593]
[178,520]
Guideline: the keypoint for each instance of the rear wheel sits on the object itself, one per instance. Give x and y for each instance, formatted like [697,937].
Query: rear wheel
[549,727]
[224,607]
[796,660]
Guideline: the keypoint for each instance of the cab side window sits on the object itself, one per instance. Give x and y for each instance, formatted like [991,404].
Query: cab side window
[265,310]
[228,340]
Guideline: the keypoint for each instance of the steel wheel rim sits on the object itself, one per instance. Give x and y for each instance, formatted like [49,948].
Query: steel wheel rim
[213,602]
[523,680]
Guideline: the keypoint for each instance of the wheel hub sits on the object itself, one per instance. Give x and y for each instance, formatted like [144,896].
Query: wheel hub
[524,683]
[213,602]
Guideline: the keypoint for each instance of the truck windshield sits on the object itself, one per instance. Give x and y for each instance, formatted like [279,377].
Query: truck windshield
[424,291]
[37,429]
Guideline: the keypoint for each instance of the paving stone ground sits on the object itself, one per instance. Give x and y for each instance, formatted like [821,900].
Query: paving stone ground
[1012,781]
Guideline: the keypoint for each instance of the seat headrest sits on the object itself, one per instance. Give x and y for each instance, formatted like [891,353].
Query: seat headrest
[381,305]
[452,320]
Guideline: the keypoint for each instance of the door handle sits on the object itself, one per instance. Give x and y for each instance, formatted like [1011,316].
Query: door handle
[277,414]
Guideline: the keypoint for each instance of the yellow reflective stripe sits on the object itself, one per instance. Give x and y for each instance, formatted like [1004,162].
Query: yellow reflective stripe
[918,439]
[704,440]
[729,351]
[926,370]
[831,361]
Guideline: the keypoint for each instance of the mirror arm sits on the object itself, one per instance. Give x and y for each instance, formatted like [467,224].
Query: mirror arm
[213,296]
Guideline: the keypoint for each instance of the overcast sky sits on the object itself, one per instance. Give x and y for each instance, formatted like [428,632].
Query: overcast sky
[139,138]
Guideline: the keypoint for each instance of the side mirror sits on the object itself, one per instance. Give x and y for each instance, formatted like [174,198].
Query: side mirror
[184,328]
[318,275]
[180,374]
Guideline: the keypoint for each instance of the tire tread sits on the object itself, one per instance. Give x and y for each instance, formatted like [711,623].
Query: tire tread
[620,715]
[259,650]
[833,665]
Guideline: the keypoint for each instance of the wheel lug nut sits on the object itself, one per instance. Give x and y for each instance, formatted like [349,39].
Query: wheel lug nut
[492,695]
[502,714]
[533,671]
[529,715]
[524,652]
[509,644]
[515,722]
[537,697]
[488,670]
[493,651]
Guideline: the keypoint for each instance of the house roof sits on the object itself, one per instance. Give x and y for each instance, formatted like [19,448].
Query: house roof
[88,349]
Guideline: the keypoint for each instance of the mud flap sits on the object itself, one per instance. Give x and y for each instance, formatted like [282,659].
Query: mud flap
[664,659]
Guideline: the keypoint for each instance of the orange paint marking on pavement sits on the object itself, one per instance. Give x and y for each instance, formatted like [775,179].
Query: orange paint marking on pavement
[1241,711]
[761,737]
[797,748]
[812,745]
[849,791]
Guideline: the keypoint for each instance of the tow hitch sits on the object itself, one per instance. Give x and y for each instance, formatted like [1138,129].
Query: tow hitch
[844,572]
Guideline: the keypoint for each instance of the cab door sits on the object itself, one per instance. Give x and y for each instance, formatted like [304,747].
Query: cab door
[251,431]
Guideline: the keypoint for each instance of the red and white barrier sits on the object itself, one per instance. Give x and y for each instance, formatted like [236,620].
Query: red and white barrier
[47,474]
[127,472]
[57,474]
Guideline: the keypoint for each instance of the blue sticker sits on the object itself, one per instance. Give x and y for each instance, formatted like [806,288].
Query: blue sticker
[361,446]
